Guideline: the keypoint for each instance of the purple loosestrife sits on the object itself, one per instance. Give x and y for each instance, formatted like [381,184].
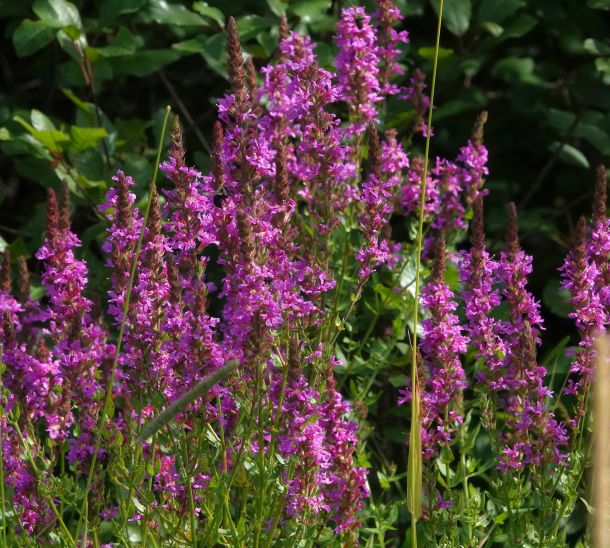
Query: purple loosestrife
[533,436]
[481,297]
[304,440]
[453,186]
[443,342]
[192,351]
[347,486]
[80,351]
[385,166]
[579,276]
[598,246]
[31,508]
[358,67]
[388,15]
[298,94]
[585,274]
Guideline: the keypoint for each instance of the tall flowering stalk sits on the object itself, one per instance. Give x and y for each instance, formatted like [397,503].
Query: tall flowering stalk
[534,436]
[585,275]
[442,346]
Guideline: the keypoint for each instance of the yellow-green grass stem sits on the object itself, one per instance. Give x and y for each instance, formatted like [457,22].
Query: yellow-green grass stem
[414,468]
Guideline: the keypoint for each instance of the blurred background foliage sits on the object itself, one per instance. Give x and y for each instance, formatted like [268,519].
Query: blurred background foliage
[85,84]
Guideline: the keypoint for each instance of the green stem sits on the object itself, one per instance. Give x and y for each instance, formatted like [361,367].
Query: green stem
[414,474]
[107,400]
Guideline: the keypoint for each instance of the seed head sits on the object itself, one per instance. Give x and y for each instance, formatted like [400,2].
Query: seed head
[177,148]
[477,129]
[601,195]
[374,152]
[6,278]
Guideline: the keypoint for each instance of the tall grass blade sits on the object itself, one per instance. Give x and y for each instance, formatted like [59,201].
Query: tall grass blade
[414,474]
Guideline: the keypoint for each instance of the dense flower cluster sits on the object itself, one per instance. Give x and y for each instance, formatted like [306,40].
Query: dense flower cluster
[586,275]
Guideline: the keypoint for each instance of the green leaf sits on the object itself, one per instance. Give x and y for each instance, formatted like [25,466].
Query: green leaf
[278,7]
[143,63]
[520,27]
[210,12]
[496,11]
[124,43]
[569,154]
[215,53]
[165,13]
[83,138]
[493,28]
[599,4]
[596,47]
[58,13]
[456,15]
[310,10]
[112,9]
[250,25]
[88,108]
[31,36]
[41,121]
[51,139]
[428,53]
[516,70]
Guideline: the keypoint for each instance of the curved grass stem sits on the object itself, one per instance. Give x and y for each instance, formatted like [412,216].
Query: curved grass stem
[414,467]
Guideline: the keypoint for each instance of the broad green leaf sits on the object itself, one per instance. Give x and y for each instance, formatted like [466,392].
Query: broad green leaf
[278,7]
[165,13]
[89,108]
[58,13]
[215,53]
[569,154]
[82,138]
[210,12]
[456,15]
[51,139]
[497,11]
[428,53]
[41,121]
[310,10]
[515,70]
[30,36]
[143,63]
[596,47]
[493,28]
[124,43]
[194,45]
[250,25]
[112,9]
[599,4]
[602,64]
[520,27]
